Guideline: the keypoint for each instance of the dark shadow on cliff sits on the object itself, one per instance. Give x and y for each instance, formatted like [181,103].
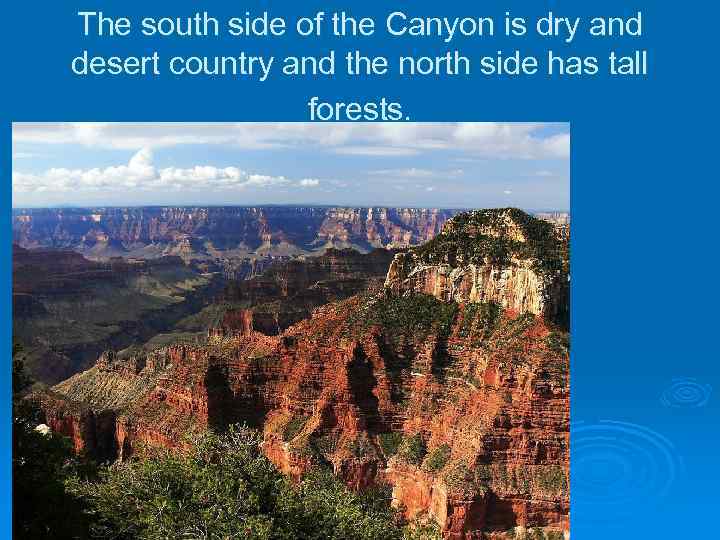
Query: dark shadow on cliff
[398,362]
[441,359]
[362,382]
[225,407]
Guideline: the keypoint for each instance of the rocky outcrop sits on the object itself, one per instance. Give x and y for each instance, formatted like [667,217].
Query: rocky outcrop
[288,292]
[502,256]
[517,287]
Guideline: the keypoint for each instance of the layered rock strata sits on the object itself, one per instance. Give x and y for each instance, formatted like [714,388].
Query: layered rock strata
[223,231]
[459,403]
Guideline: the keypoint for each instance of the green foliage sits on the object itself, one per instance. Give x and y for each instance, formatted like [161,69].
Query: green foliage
[321,507]
[361,446]
[554,535]
[21,381]
[415,313]
[412,449]
[422,531]
[438,458]
[558,342]
[390,443]
[521,479]
[482,318]
[465,242]
[535,533]
[326,444]
[293,427]
[305,447]
[223,487]
[552,478]
[40,465]
[180,495]
[518,326]
[460,480]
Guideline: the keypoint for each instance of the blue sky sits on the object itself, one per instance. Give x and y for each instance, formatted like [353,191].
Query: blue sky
[371,164]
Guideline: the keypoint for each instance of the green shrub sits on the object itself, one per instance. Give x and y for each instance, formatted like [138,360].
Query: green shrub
[293,427]
[326,444]
[413,449]
[389,443]
[422,530]
[438,458]
[414,313]
[481,318]
[461,480]
[360,447]
[552,478]
[224,487]
[42,506]
[535,533]
[558,342]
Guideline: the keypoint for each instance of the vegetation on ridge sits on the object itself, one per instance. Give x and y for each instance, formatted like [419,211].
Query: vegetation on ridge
[465,240]
[413,313]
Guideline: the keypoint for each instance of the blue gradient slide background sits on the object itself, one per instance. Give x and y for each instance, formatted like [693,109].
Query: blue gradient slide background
[645,376]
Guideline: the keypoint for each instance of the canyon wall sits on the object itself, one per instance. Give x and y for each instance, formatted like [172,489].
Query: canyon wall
[197,233]
[68,309]
[289,291]
[460,403]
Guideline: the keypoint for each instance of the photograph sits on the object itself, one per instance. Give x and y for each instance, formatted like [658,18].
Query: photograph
[279,331]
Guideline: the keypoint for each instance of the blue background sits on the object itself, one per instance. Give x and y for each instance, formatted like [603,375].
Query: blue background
[644,452]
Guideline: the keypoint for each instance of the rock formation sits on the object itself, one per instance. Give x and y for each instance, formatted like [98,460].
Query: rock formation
[502,256]
[201,233]
[288,292]
[457,399]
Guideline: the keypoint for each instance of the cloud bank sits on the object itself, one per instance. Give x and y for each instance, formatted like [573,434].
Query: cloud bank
[482,139]
[140,173]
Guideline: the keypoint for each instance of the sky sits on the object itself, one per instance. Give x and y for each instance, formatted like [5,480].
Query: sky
[449,165]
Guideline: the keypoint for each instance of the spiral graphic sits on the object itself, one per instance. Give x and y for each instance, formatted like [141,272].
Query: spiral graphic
[616,467]
[686,393]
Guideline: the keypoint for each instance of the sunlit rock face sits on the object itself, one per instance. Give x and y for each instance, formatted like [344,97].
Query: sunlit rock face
[198,233]
[502,256]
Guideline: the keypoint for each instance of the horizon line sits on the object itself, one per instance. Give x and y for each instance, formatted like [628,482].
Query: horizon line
[287,205]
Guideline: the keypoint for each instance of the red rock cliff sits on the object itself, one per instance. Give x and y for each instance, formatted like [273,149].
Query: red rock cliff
[463,407]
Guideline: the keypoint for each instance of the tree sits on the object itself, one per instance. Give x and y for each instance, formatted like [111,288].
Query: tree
[41,463]
[224,487]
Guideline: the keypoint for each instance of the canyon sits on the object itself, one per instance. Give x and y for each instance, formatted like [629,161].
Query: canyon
[85,280]
[235,237]
[67,309]
[440,370]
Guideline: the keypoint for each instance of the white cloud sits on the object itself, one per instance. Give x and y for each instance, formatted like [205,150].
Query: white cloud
[474,139]
[404,173]
[376,151]
[23,155]
[140,173]
[416,173]
[507,192]
[557,145]
[309,182]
